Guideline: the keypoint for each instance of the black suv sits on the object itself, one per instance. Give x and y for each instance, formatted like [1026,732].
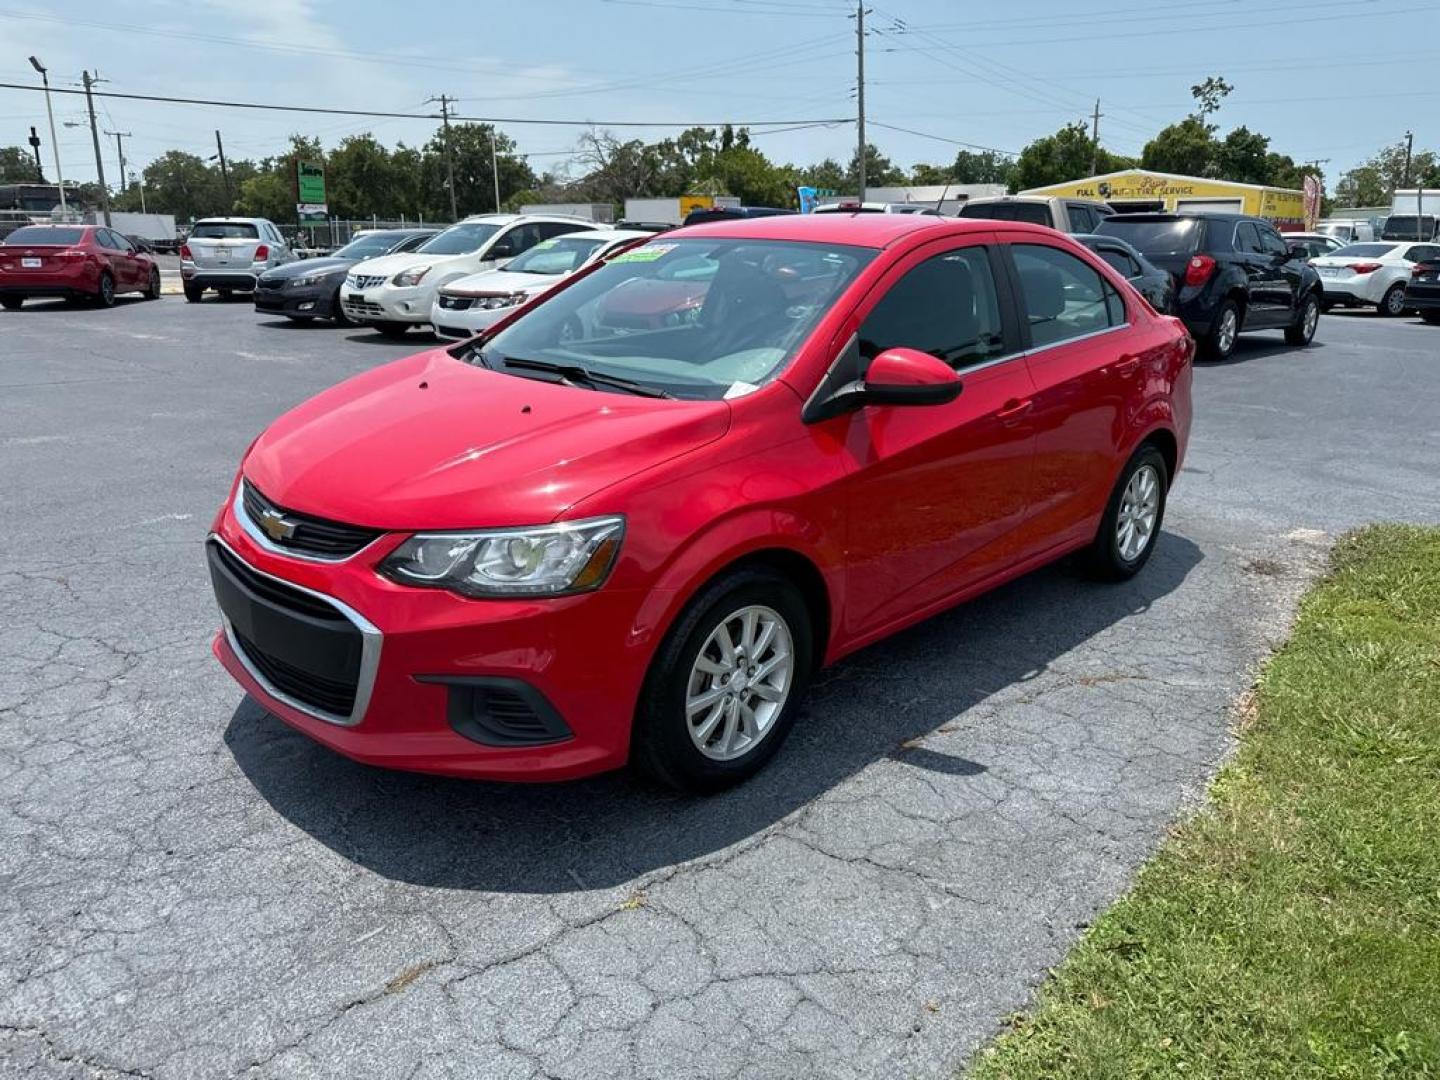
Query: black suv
[1232,273]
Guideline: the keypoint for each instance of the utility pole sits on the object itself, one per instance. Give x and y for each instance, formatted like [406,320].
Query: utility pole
[860,90]
[35,146]
[450,156]
[1095,138]
[90,81]
[224,169]
[495,167]
[120,153]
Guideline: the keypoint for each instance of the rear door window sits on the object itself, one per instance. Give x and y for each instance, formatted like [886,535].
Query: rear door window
[1063,297]
[946,306]
[1247,238]
[1270,242]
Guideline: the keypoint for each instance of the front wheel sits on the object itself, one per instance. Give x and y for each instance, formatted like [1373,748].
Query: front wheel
[152,287]
[194,293]
[105,294]
[1220,342]
[1303,329]
[1131,526]
[1392,304]
[337,311]
[725,686]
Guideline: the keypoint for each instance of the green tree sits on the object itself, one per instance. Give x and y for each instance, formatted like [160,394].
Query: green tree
[184,185]
[932,174]
[474,177]
[1244,156]
[1374,182]
[880,171]
[1187,148]
[360,180]
[826,175]
[17,166]
[983,167]
[1069,154]
[1209,94]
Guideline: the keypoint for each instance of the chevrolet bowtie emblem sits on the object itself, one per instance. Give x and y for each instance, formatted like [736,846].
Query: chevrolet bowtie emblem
[275,525]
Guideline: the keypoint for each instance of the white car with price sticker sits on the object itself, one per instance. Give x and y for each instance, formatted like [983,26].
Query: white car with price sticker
[468,305]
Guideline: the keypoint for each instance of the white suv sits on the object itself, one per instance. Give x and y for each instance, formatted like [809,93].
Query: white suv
[465,307]
[395,292]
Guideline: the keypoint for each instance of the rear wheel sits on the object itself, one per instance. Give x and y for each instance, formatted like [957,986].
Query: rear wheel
[225,294]
[11,303]
[1303,329]
[337,311]
[152,288]
[725,686]
[105,294]
[194,293]
[1392,304]
[1220,342]
[1131,526]
[393,329]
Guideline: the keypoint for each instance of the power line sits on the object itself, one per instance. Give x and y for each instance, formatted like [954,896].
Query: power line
[428,116]
[944,139]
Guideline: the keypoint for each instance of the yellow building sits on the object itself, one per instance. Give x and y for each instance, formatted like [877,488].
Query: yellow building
[1137,189]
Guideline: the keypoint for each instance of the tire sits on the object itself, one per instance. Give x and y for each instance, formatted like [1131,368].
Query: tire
[395,330]
[224,294]
[194,293]
[105,293]
[152,289]
[1302,332]
[1431,317]
[665,744]
[1392,304]
[11,303]
[1106,558]
[1219,343]
[337,311]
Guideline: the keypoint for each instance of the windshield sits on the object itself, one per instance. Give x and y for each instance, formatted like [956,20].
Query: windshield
[367,247]
[460,239]
[1363,251]
[557,256]
[224,230]
[1034,213]
[1170,237]
[697,318]
[45,234]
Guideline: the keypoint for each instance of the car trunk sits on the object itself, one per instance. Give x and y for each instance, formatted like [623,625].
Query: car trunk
[1168,243]
[223,253]
[39,257]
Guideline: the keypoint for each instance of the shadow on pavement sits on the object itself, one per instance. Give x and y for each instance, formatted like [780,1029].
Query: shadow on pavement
[604,831]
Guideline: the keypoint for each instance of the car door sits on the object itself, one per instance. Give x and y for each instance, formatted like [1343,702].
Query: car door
[1085,385]
[937,492]
[1260,277]
[1286,280]
[118,252]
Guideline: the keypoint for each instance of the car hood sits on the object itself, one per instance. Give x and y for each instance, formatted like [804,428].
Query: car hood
[431,442]
[500,281]
[305,267]
[393,264]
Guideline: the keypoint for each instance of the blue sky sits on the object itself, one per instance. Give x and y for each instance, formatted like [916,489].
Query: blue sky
[1327,79]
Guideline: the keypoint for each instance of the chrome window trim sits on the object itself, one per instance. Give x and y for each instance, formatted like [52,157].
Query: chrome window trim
[1071,341]
[371,640]
[237,506]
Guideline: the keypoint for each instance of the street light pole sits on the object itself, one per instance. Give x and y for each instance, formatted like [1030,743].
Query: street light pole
[54,142]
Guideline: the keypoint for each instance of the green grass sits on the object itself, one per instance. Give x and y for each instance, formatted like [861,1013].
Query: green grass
[1292,928]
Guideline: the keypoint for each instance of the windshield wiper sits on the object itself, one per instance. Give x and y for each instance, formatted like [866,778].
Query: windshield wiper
[574,373]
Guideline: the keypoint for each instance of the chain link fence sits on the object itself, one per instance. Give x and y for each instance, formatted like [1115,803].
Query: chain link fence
[322,237]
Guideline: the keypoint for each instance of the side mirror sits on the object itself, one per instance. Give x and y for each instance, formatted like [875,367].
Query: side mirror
[904,376]
[504,248]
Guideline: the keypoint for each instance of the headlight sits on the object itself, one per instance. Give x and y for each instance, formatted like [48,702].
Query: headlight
[490,303]
[548,560]
[410,275]
[311,279]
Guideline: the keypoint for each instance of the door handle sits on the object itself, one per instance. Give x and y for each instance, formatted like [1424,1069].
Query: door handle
[1126,364]
[1014,409]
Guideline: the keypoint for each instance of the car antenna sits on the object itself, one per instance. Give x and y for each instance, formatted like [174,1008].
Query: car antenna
[940,202]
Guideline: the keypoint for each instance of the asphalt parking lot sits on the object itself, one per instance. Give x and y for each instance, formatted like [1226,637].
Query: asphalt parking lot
[189,889]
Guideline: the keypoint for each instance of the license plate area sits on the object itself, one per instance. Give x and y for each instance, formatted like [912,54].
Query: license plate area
[32,264]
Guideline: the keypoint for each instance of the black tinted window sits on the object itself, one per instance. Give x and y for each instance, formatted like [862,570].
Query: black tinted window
[1423,253]
[947,306]
[1270,241]
[1081,219]
[225,230]
[1034,213]
[45,234]
[1247,238]
[1064,298]
[1120,261]
[1151,237]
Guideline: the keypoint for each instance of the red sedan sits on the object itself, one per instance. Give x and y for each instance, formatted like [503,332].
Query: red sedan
[537,556]
[73,261]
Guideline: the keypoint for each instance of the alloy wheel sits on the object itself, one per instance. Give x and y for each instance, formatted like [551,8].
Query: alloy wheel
[1139,510]
[1312,318]
[739,683]
[1225,334]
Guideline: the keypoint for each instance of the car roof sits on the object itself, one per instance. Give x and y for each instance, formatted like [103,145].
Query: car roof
[857,229]
[604,235]
[505,219]
[230,220]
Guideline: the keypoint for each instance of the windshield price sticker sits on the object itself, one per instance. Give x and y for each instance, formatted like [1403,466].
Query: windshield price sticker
[648,253]
[543,244]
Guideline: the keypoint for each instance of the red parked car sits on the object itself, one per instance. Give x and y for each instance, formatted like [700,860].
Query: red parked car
[74,261]
[532,556]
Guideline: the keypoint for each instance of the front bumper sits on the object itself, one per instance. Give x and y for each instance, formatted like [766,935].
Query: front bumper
[419,659]
[458,325]
[317,300]
[388,303]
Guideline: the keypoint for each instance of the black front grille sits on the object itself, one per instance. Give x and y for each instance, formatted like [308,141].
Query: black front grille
[311,535]
[332,695]
[278,593]
[270,283]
